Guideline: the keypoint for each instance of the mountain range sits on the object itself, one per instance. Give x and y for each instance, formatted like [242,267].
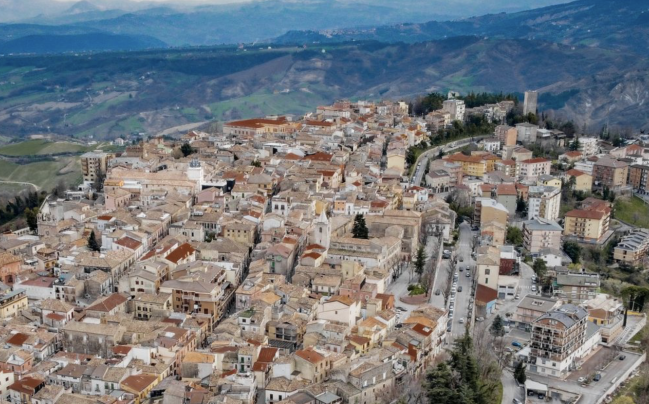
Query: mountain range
[587,58]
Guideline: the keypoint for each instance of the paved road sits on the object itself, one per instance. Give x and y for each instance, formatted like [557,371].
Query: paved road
[511,390]
[432,153]
[461,300]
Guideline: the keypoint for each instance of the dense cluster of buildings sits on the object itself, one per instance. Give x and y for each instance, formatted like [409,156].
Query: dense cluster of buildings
[230,272]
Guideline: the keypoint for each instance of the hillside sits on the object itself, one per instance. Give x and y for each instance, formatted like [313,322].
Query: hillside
[78,43]
[596,23]
[110,94]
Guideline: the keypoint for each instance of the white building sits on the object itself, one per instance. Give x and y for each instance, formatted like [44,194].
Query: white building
[588,146]
[456,108]
[544,202]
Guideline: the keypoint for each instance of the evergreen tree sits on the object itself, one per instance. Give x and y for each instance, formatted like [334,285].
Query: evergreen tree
[519,373]
[573,251]
[521,205]
[93,245]
[441,385]
[497,328]
[31,215]
[420,261]
[187,149]
[574,145]
[360,228]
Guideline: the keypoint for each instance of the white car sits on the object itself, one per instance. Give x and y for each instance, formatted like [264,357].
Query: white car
[461,320]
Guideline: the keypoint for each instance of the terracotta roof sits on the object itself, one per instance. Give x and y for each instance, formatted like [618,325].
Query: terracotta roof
[129,243]
[55,317]
[347,301]
[183,251]
[139,383]
[575,173]
[573,153]
[267,354]
[121,349]
[535,160]
[485,294]
[27,385]
[506,189]
[310,355]
[8,258]
[18,339]
[109,303]
[43,282]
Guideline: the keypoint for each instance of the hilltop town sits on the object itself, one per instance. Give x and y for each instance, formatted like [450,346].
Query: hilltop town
[335,257]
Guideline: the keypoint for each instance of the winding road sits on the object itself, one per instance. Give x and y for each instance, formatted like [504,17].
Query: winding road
[21,183]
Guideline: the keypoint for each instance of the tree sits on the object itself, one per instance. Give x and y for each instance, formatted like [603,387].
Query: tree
[521,206]
[497,328]
[514,236]
[519,373]
[442,385]
[187,149]
[420,261]
[256,163]
[360,228]
[574,145]
[93,245]
[31,215]
[540,268]
[573,250]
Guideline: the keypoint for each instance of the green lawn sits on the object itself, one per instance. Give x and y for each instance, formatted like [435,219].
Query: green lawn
[632,211]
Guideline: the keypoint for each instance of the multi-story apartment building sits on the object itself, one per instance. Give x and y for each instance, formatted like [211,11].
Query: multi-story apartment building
[611,173]
[474,166]
[540,233]
[588,146]
[583,181]
[532,307]
[526,132]
[633,247]
[12,303]
[543,202]
[588,224]
[576,287]
[638,175]
[531,169]
[557,339]
[456,108]
[94,165]
[506,194]
[506,134]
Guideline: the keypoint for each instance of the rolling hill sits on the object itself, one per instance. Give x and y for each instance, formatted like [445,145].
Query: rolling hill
[596,23]
[110,94]
[91,42]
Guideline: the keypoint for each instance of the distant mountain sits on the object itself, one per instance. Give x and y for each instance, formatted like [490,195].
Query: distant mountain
[109,94]
[82,7]
[41,44]
[595,23]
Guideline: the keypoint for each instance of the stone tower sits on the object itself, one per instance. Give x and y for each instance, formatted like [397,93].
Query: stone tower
[322,231]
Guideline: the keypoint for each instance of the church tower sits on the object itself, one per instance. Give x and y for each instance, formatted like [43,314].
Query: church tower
[322,231]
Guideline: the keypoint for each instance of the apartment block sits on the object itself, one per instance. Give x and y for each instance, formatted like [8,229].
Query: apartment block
[531,169]
[506,134]
[611,173]
[633,247]
[94,165]
[638,175]
[543,202]
[539,233]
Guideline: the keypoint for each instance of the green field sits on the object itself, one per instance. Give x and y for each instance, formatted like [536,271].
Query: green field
[41,147]
[632,211]
[44,174]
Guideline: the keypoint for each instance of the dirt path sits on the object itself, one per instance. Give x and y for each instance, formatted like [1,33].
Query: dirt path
[182,128]
[21,183]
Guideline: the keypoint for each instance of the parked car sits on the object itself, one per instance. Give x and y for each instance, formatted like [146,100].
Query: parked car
[516,401]
[517,344]
[398,325]
[459,289]
[461,259]
[533,288]
[461,269]
[468,274]
[517,297]
[438,292]
[479,319]
[622,357]
[597,377]
[461,320]
[399,308]
[582,380]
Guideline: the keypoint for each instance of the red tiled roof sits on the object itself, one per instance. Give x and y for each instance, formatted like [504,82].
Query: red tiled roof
[18,339]
[485,294]
[535,160]
[310,355]
[183,251]
[139,383]
[586,214]
[108,303]
[575,173]
[129,243]
[267,354]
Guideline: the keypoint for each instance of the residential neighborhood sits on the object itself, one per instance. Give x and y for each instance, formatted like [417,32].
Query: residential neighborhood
[336,257]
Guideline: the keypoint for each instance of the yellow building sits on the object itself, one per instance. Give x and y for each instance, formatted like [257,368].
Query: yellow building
[242,232]
[474,166]
[583,181]
[11,303]
[488,210]
[397,159]
[587,225]
[549,181]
